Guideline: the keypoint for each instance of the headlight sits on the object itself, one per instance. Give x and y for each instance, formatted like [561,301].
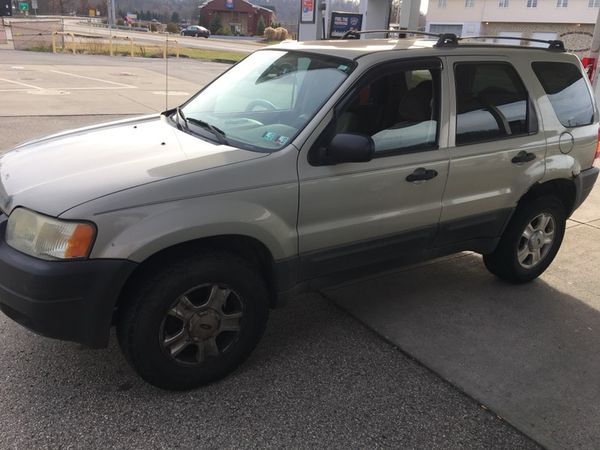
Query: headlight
[47,238]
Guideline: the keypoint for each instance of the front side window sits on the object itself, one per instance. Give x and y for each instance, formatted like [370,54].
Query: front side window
[265,100]
[568,92]
[399,110]
[491,103]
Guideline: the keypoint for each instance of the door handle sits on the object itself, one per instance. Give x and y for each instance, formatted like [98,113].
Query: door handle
[523,157]
[422,174]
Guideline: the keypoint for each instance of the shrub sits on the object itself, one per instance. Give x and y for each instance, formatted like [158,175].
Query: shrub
[282,33]
[275,34]
[172,27]
[269,34]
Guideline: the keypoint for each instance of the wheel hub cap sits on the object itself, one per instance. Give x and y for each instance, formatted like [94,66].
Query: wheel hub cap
[203,325]
[537,240]
[204,322]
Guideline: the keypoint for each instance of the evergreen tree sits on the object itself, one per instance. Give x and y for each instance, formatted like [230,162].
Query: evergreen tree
[260,26]
[215,24]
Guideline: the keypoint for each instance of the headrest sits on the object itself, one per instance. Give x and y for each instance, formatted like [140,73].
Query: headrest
[415,105]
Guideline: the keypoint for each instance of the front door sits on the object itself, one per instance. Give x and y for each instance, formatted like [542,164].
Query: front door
[353,214]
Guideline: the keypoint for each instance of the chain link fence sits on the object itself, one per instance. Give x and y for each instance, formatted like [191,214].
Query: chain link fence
[35,35]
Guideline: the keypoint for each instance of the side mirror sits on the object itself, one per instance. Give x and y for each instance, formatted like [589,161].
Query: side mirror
[345,148]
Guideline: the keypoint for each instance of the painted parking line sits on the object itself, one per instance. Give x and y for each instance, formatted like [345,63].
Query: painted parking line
[98,88]
[122,85]
[30,86]
[32,89]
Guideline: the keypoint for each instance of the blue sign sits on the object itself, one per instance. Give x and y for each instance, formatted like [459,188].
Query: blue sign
[342,22]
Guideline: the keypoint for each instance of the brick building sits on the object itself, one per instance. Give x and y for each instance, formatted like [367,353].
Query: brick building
[236,16]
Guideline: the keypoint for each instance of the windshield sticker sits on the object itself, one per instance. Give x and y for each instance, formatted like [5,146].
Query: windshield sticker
[343,67]
[282,140]
[270,136]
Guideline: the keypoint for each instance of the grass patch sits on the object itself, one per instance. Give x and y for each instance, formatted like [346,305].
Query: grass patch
[148,51]
[212,55]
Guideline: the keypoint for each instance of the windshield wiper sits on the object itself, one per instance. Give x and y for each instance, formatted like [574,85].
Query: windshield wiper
[183,124]
[220,134]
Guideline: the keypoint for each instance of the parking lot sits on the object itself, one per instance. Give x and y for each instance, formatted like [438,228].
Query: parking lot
[435,355]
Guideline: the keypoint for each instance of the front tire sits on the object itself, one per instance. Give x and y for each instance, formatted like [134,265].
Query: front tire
[530,242]
[193,322]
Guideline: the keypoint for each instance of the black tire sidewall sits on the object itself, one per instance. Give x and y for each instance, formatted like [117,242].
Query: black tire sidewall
[504,261]
[151,306]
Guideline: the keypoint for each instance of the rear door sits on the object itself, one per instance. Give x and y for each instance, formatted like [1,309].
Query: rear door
[495,147]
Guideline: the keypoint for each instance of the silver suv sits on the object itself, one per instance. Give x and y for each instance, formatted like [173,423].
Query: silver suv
[304,163]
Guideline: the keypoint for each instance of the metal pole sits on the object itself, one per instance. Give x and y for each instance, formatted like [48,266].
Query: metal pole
[595,49]
[114,16]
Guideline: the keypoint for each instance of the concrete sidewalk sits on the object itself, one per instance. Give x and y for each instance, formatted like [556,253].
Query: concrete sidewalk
[531,353]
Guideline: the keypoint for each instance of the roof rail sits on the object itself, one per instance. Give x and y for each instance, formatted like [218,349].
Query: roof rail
[444,39]
[552,44]
[452,40]
[356,34]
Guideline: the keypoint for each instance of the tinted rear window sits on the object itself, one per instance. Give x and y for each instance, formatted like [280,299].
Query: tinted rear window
[567,90]
[491,103]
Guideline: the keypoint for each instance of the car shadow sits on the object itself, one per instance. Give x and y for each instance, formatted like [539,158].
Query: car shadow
[530,352]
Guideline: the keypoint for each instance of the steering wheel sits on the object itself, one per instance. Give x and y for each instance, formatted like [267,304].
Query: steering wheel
[262,103]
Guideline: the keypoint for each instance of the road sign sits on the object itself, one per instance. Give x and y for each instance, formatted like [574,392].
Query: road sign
[23,6]
[34,4]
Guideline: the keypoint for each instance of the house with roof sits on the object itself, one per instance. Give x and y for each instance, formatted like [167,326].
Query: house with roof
[571,21]
[238,17]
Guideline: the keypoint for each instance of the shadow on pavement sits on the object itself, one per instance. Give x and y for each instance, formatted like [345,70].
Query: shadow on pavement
[529,352]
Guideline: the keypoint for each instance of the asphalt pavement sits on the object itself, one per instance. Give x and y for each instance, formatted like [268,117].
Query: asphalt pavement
[319,378]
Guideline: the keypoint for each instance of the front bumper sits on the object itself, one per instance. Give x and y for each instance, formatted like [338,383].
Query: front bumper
[69,300]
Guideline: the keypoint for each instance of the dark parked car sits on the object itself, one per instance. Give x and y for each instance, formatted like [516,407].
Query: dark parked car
[195,30]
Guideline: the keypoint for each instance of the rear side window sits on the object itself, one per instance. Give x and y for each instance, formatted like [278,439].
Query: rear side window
[491,103]
[568,93]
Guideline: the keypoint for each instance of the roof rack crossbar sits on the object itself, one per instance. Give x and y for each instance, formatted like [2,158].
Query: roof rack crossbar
[552,44]
[356,34]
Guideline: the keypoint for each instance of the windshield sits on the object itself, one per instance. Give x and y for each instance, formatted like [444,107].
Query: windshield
[265,100]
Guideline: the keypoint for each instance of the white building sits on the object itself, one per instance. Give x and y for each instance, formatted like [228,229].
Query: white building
[571,21]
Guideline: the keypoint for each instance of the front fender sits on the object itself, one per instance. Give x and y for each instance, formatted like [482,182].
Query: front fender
[137,233]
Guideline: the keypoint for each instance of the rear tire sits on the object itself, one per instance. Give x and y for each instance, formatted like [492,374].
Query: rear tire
[530,242]
[193,322]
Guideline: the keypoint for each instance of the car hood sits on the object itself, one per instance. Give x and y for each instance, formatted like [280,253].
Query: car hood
[57,173]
